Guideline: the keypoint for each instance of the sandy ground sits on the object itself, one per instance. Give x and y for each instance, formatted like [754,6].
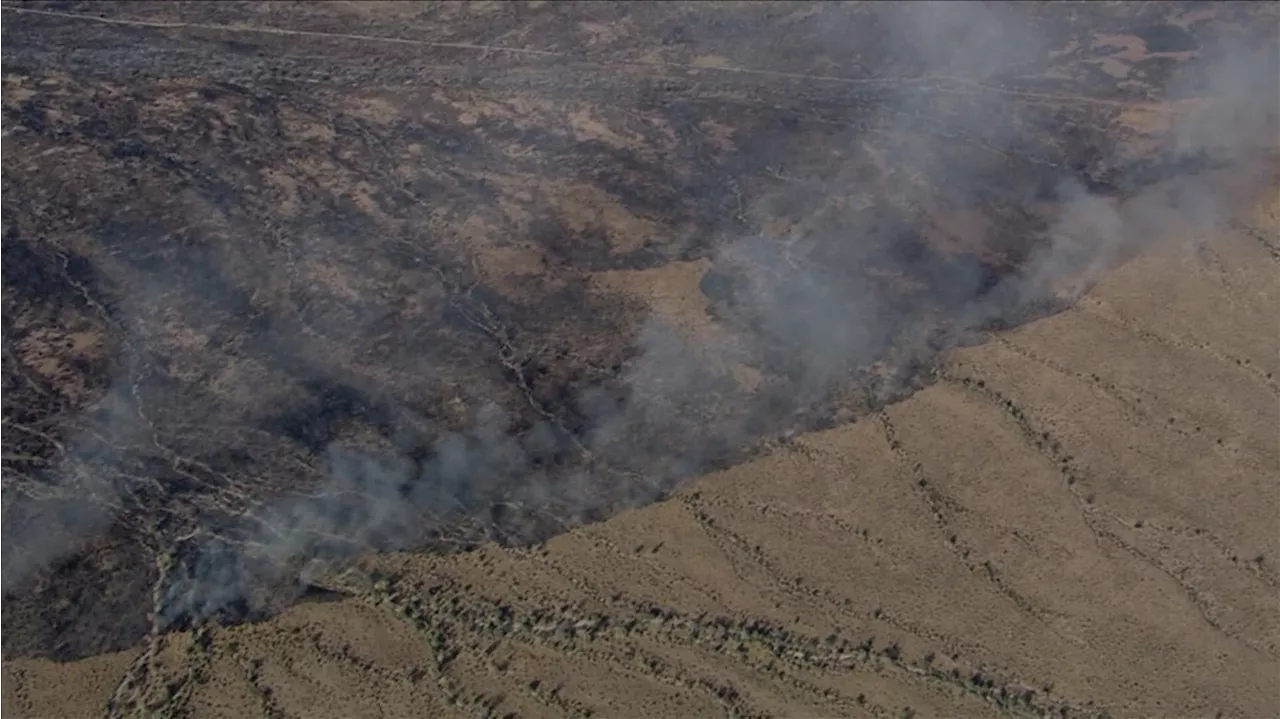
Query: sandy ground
[1078,518]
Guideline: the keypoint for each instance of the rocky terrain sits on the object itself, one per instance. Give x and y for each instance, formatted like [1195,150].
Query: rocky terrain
[288,282]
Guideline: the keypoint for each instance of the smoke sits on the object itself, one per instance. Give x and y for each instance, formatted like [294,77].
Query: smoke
[82,500]
[802,307]
[1229,131]
[1234,91]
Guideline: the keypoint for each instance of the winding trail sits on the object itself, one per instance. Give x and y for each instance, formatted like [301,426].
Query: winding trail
[937,83]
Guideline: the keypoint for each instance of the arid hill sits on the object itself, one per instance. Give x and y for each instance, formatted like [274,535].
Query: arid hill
[1075,520]
[288,282]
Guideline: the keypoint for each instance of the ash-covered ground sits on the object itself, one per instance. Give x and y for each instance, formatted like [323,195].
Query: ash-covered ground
[288,281]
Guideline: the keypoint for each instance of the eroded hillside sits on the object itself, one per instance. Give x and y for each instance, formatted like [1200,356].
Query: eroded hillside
[1075,520]
[287,281]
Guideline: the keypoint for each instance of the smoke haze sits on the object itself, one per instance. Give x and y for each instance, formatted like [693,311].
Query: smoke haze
[795,303]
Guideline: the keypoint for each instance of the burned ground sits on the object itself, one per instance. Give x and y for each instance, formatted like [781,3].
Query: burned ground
[246,244]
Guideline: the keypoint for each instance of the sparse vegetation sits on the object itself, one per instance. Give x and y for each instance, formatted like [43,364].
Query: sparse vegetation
[451,620]
[289,289]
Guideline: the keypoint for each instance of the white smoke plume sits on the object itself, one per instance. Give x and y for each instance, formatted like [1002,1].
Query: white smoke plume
[676,407]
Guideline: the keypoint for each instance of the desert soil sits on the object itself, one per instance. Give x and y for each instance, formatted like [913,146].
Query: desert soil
[239,235]
[1078,517]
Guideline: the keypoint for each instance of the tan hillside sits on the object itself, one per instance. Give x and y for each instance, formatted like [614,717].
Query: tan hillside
[1078,516]
[634,359]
